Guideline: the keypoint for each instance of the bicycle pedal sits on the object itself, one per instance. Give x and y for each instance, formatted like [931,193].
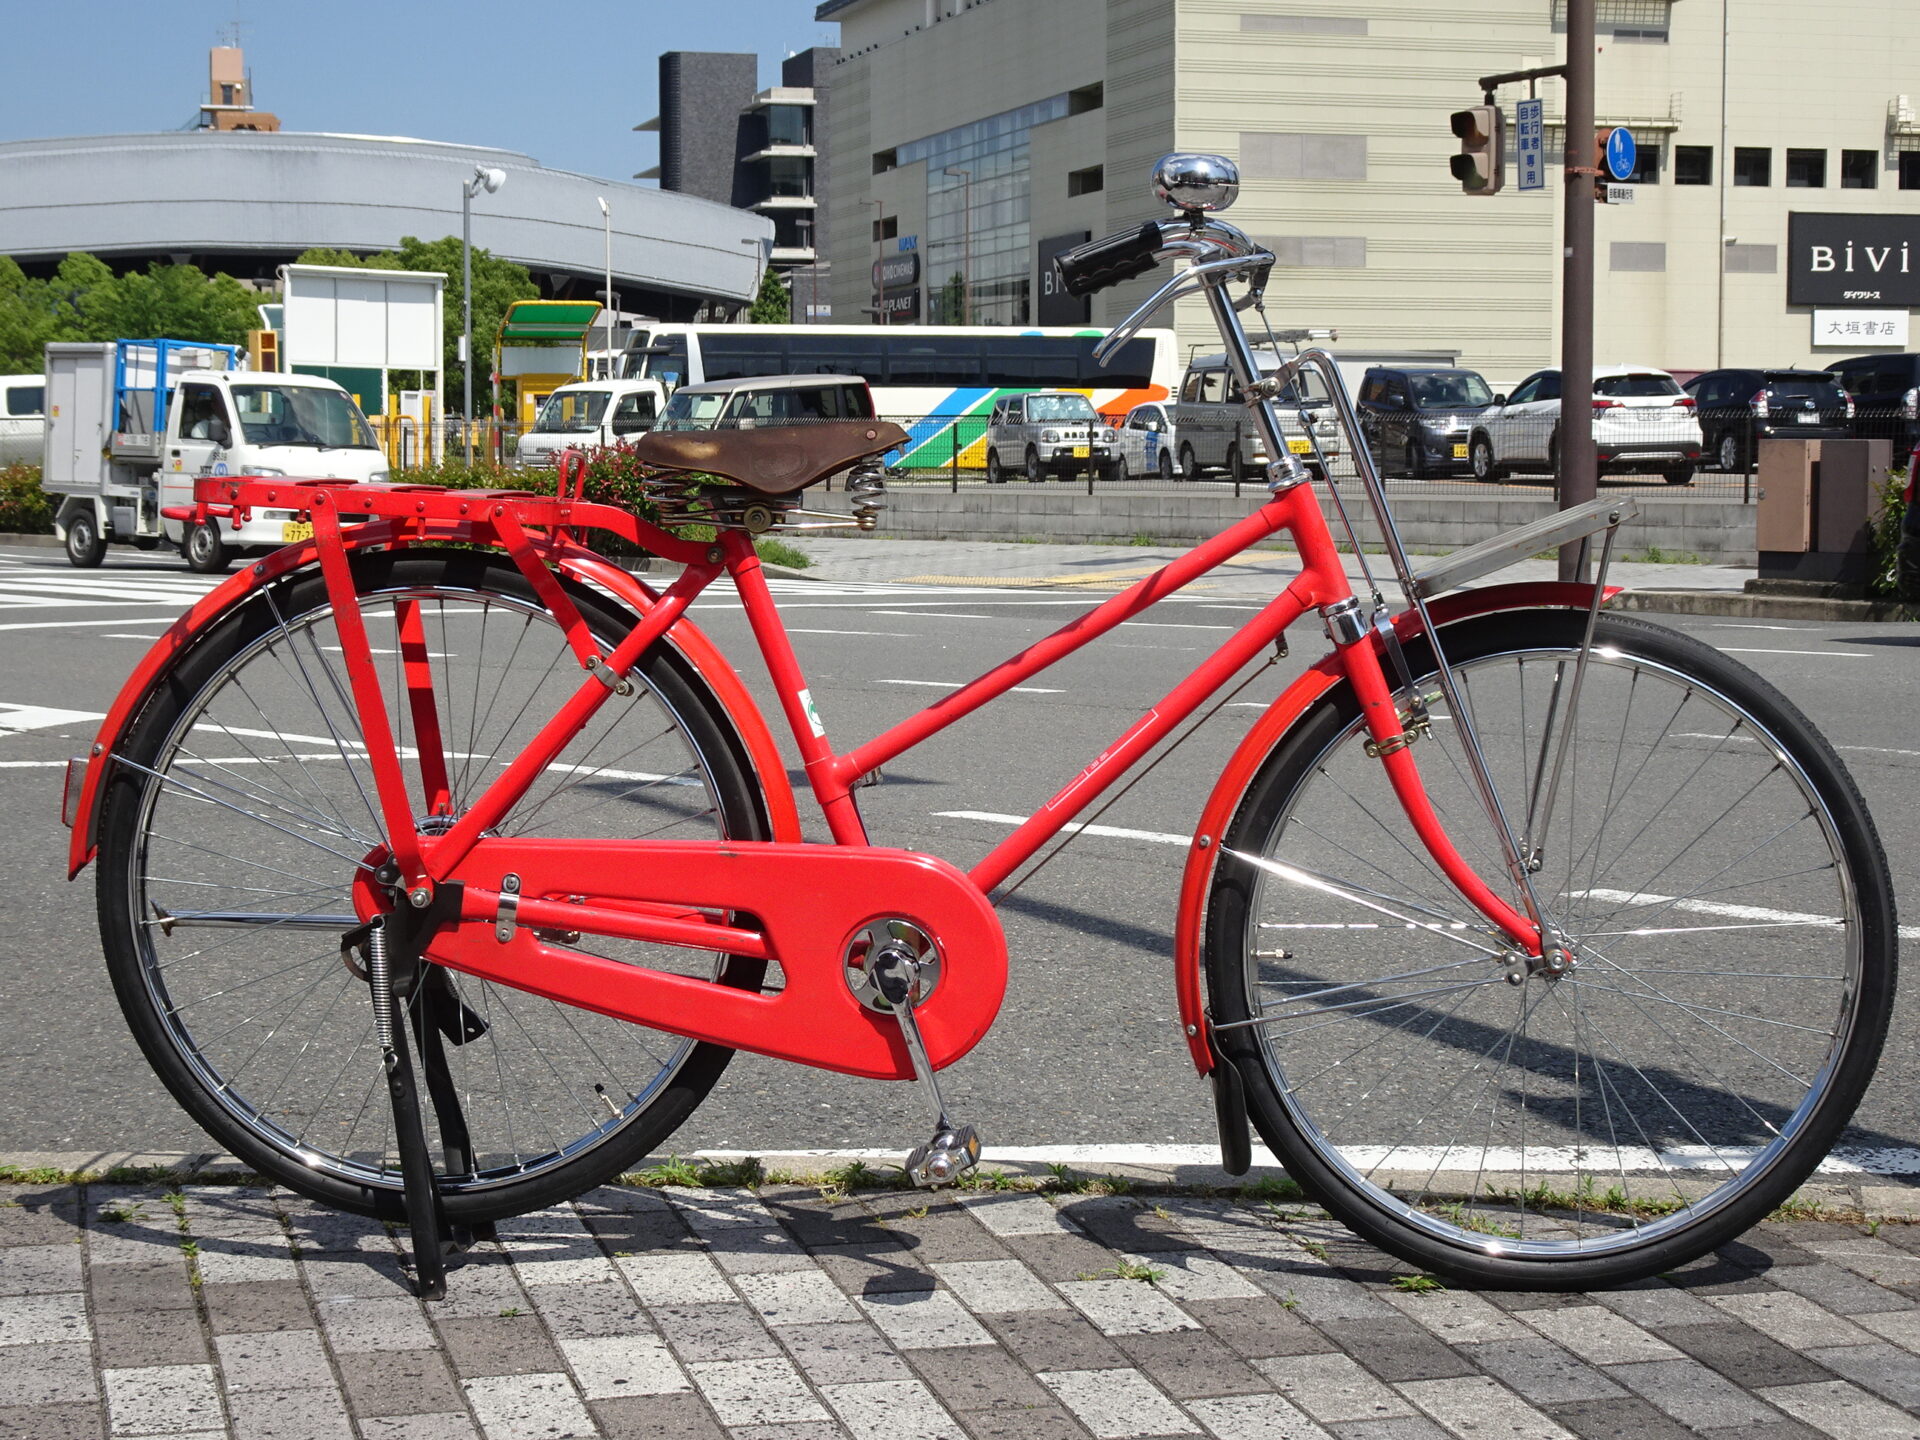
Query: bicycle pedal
[950,1154]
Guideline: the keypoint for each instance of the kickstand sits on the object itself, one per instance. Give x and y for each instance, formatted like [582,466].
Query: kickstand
[438,1016]
[426,1219]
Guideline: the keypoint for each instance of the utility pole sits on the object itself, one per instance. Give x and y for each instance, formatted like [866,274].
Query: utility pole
[1578,479]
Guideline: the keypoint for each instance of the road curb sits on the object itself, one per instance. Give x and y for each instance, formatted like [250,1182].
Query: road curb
[1743,605]
[46,542]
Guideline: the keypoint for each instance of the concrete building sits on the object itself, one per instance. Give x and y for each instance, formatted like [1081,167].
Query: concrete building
[246,202]
[980,136]
[701,95]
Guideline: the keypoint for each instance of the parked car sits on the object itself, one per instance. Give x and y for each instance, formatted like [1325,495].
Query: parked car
[1738,408]
[754,400]
[1642,420]
[23,418]
[1047,432]
[1418,418]
[590,414]
[1145,443]
[1216,432]
[1886,397]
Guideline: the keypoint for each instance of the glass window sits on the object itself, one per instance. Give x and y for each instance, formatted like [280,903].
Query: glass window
[734,357]
[1190,389]
[687,411]
[1395,393]
[1910,169]
[1213,386]
[1646,165]
[26,399]
[1752,166]
[1859,169]
[787,124]
[943,360]
[633,413]
[1449,390]
[1528,391]
[1693,164]
[203,415]
[1806,169]
[301,415]
[1054,409]
[571,412]
[1635,385]
[1549,386]
[836,355]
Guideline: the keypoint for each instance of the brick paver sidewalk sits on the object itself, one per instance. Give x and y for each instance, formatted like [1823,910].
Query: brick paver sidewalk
[783,1313]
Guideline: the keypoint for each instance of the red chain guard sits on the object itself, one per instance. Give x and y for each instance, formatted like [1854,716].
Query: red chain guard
[809,900]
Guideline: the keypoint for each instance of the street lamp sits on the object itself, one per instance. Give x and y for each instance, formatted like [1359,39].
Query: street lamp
[966,252]
[490,181]
[606,215]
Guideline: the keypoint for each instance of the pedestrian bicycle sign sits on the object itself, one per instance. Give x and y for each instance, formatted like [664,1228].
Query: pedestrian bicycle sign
[1622,152]
[1530,128]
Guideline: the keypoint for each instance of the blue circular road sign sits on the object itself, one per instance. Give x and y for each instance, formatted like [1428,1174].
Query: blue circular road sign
[1622,152]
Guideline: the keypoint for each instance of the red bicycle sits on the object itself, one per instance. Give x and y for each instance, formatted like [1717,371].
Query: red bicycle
[1544,946]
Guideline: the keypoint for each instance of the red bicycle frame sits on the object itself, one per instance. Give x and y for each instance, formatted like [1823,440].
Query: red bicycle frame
[724,896]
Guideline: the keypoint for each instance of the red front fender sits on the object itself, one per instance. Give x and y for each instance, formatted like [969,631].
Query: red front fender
[575,561]
[1260,742]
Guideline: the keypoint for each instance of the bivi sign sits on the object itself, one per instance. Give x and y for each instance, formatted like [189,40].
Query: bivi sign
[1865,260]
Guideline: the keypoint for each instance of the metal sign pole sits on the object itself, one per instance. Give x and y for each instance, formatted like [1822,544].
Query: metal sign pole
[1578,478]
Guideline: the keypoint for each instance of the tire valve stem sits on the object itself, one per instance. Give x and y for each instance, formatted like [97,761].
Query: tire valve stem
[612,1109]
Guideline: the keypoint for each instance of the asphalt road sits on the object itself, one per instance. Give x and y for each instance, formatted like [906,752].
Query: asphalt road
[1086,1051]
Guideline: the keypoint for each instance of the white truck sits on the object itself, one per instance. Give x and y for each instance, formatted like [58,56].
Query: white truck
[132,424]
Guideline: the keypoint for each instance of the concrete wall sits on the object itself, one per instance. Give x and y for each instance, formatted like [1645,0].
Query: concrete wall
[1716,530]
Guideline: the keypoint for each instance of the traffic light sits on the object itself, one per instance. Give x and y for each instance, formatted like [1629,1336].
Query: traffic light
[1480,167]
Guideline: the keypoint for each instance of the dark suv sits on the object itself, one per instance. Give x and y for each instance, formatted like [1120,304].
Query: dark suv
[1417,418]
[1886,397]
[1738,408]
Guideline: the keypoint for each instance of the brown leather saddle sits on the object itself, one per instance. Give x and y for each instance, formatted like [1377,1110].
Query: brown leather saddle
[778,460]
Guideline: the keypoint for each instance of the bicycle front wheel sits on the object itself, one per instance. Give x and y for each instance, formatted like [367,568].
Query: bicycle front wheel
[242,809]
[1720,889]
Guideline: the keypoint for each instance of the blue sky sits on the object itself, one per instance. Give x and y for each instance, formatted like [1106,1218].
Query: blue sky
[562,83]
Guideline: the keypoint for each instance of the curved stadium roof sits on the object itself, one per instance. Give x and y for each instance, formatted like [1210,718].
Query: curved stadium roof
[246,201]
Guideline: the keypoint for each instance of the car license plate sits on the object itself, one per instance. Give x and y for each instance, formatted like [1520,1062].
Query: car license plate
[1079,452]
[1807,417]
[296,530]
[1459,452]
[1300,447]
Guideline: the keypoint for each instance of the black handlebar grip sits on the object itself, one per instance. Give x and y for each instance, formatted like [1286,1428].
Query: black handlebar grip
[1098,264]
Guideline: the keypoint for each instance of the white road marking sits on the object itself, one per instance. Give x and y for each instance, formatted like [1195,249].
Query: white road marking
[15,718]
[1174,625]
[66,624]
[955,685]
[930,614]
[1748,625]
[1750,740]
[883,634]
[1114,832]
[117,635]
[1731,912]
[1769,650]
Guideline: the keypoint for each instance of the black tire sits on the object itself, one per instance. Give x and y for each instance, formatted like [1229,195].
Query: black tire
[1165,465]
[86,546]
[1117,470]
[1035,475]
[205,552]
[1480,456]
[1412,462]
[1553,459]
[1906,567]
[1731,454]
[1328,1101]
[579,1136]
[1189,467]
[995,475]
[1678,474]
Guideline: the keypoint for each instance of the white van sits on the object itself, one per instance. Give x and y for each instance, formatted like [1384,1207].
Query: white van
[23,418]
[754,400]
[587,415]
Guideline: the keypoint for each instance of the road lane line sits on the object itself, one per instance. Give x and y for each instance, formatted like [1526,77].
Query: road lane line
[1749,740]
[17,718]
[1113,832]
[1174,625]
[1727,911]
[930,615]
[883,634]
[956,684]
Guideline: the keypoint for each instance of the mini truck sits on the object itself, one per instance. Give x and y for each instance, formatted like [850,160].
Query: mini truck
[132,424]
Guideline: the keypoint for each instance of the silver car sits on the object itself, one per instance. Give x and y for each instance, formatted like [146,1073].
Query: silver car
[1047,432]
[1215,432]
[1146,443]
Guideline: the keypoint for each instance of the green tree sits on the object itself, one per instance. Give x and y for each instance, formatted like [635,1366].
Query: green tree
[26,320]
[179,302]
[772,306]
[496,285]
[951,308]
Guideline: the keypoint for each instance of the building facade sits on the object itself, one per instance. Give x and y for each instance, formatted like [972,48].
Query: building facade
[971,139]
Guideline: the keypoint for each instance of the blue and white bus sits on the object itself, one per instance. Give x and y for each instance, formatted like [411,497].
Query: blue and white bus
[940,382]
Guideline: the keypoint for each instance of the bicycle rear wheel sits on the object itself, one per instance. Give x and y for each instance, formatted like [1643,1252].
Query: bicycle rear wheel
[1724,896]
[245,791]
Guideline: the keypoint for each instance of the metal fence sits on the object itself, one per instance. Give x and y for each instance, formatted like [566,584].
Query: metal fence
[1656,451]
